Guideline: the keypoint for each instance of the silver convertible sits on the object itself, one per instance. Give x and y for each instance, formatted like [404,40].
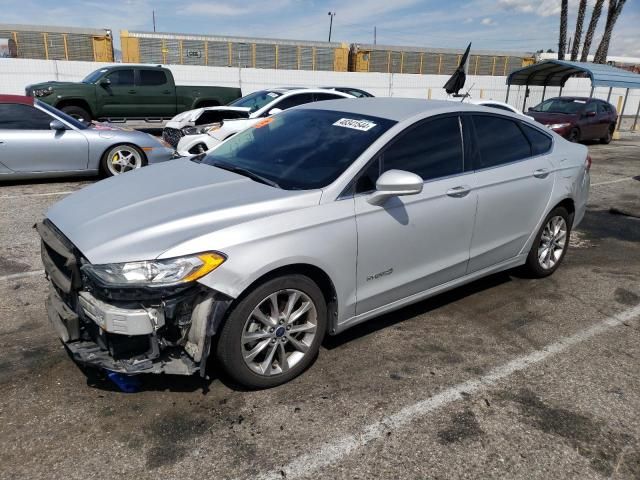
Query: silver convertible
[305,224]
[38,140]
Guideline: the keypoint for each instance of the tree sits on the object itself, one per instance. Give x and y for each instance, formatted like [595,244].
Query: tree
[562,41]
[593,23]
[582,9]
[615,7]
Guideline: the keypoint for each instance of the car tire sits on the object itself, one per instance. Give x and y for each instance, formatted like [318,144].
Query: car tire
[78,113]
[113,160]
[574,135]
[607,139]
[253,346]
[547,251]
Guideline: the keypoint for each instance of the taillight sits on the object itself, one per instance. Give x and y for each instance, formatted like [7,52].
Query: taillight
[587,163]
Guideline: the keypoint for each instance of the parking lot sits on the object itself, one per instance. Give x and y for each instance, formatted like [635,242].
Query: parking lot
[504,378]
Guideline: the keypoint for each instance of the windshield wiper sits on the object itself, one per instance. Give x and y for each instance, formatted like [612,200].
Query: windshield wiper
[246,173]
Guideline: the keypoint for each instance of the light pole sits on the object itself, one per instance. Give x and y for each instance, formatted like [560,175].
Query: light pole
[331,14]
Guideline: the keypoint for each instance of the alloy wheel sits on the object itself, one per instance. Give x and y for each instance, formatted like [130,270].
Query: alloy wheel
[123,159]
[279,332]
[552,242]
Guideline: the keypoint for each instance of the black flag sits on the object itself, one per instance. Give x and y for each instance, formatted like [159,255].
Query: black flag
[456,82]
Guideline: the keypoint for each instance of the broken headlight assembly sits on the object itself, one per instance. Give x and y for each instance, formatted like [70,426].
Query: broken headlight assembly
[201,130]
[155,273]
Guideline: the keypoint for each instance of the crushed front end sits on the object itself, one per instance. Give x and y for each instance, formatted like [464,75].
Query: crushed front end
[164,329]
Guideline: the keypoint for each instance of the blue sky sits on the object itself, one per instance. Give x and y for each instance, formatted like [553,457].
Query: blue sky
[500,24]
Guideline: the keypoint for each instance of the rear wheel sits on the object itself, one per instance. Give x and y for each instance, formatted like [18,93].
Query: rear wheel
[121,159]
[574,135]
[274,333]
[609,136]
[550,245]
[78,113]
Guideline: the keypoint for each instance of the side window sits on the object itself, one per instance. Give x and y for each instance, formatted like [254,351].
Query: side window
[152,77]
[121,78]
[318,97]
[14,116]
[294,101]
[591,107]
[540,142]
[432,149]
[499,140]
[367,180]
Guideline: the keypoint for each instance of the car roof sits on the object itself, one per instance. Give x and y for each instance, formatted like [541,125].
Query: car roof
[23,99]
[397,109]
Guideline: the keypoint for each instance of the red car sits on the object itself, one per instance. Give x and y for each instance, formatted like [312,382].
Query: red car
[577,118]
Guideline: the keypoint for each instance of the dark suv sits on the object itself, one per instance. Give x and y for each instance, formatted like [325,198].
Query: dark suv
[577,118]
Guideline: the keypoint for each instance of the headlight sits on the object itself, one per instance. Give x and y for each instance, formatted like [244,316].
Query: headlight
[42,92]
[555,126]
[152,273]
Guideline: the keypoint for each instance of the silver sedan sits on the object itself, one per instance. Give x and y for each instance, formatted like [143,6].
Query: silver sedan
[37,140]
[308,223]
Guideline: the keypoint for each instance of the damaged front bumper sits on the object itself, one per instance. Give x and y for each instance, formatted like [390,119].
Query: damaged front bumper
[127,330]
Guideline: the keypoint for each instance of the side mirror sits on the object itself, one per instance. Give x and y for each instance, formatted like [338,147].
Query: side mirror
[273,111]
[590,114]
[395,183]
[105,82]
[57,125]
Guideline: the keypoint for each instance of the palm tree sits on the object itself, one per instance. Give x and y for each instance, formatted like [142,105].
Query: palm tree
[615,7]
[562,41]
[595,16]
[582,9]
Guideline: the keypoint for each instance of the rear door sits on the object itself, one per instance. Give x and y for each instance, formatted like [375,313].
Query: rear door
[590,123]
[514,178]
[155,93]
[27,143]
[415,242]
[118,99]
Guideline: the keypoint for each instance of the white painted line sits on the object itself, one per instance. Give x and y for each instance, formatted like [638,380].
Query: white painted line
[18,276]
[332,452]
[609,182]
[50,194]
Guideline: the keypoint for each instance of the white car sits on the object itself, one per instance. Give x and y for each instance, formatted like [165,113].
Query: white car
[487,103]
[256,106]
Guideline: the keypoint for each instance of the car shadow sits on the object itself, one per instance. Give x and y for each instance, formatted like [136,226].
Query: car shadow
[50,180]
[387,320]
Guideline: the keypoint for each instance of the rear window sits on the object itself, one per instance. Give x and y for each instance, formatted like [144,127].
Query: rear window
[152,78]
[540,142]
[300,149]
[500,141]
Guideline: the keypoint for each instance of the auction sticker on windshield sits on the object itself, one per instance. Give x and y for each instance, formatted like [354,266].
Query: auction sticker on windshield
[362,125]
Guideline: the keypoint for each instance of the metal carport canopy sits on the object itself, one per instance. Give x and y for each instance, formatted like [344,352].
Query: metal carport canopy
[555,73]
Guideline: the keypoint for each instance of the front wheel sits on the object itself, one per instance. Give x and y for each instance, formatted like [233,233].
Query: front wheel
[550,244]
[121,159]
[274,333]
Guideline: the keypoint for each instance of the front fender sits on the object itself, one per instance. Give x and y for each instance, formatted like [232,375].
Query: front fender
[187,142]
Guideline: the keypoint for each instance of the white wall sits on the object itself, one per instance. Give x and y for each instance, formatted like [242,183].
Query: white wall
[15,74]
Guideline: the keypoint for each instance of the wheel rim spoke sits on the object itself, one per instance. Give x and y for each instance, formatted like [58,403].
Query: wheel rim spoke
[298,345]
[249,337]
[257,349]
[301,311]
[266,365]
[282,358]
[307,327]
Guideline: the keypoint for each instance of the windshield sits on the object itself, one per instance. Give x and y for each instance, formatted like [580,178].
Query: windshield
[256,100]
[60,114]
[300,149]
[94,76]
[560,105]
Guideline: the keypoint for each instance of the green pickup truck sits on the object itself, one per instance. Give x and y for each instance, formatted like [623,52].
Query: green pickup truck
[129,92]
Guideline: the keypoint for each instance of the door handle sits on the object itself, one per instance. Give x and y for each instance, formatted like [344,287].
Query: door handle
[541,173]
[459,192]
[166,92]
[132,91]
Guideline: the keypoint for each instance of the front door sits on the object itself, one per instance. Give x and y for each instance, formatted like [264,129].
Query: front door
[413,243]
[27,143]
[118,99]
[514,178]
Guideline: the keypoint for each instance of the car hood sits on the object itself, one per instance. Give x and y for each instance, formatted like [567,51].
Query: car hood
[547,118]
[186,118]
[141,214]
[53,83]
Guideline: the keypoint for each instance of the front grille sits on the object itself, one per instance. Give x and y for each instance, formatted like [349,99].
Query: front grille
[60,259]
[172,136]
